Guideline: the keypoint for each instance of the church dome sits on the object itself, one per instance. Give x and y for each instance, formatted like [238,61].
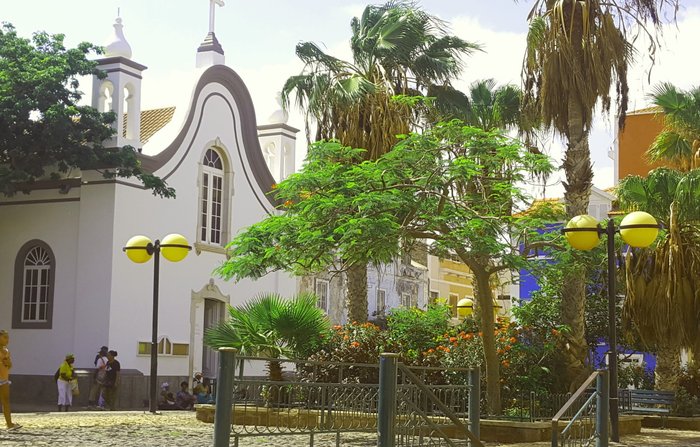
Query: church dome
[118,46]
[279,116]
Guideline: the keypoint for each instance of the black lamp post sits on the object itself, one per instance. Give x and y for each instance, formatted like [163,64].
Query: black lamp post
[140,249]
[638,229]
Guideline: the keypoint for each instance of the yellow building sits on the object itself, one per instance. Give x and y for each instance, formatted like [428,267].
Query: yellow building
[452,280]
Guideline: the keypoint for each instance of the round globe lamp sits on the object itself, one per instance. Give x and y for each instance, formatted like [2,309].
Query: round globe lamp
[137,249]
[465,308]
[582,232]
[639,229]
[174,247]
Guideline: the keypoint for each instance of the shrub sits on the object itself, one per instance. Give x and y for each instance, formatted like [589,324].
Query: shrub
[416,330]
[352,343]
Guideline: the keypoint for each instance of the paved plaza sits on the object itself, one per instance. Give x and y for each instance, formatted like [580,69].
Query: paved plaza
[181,429]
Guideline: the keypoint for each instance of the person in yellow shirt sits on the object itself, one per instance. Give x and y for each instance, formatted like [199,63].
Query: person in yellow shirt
[5,365]
[66,373]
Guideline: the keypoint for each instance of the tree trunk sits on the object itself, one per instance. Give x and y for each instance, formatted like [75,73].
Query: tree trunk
[668,368]
[274,373]
[357,293]
[484,296]
[579,179]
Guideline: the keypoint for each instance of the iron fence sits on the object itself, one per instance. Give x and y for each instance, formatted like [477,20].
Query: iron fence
[337,398]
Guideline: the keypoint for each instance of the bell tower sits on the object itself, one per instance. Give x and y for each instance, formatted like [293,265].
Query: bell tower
[278,143]
[120,91]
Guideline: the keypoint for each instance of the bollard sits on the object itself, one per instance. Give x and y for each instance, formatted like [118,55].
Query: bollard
[386,414]
[224,397]
[475,403]
[602,409]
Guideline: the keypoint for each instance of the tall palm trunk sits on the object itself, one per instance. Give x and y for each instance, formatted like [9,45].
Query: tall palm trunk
[668,368]
[357,293]
[579,179]
[484,296]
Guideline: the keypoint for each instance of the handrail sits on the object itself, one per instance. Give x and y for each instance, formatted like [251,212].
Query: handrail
[601,395]
[579,392]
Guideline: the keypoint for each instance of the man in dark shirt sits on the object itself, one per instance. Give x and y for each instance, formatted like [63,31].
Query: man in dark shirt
[112,380]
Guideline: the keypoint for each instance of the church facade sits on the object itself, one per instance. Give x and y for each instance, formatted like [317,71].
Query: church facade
[65,283]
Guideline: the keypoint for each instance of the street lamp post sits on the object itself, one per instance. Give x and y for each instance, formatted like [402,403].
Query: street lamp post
[140,249]
[638,229]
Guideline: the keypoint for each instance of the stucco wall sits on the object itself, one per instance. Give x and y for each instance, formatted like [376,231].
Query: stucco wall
[40,351]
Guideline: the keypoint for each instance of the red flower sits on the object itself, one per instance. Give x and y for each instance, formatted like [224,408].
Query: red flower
[453,339]
[355,344]
[513,340]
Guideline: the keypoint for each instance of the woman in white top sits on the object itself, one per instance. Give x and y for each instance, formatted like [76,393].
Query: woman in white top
[95,398]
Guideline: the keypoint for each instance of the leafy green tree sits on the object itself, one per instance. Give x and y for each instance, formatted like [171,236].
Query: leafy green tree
[663,282]
[272,326]
[679,141]
[397,50]
[44,133]
[455,185]
[578,52]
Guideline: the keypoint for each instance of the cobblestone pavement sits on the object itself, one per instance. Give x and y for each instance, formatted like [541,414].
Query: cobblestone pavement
[181,429]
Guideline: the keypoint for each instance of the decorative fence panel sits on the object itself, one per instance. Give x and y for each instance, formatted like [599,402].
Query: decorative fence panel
[341,402]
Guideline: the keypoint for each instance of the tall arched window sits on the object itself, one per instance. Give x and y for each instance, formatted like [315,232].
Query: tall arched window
[212,205]
[35,268]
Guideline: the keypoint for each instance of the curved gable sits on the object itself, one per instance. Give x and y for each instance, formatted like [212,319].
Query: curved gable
[259,173]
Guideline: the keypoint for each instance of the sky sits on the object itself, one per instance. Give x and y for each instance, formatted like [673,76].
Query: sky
[259,38]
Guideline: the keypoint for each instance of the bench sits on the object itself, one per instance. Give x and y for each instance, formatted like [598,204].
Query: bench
[648,402]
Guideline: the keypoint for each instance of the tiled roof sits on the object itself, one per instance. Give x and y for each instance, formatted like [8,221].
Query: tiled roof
[646,110]
[152,121]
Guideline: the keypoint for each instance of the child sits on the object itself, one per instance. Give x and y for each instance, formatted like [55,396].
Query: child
[5,365]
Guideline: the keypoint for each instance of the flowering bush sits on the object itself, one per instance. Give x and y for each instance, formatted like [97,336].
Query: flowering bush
[352,343]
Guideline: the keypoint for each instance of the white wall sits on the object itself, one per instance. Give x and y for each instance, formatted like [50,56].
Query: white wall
[40,351]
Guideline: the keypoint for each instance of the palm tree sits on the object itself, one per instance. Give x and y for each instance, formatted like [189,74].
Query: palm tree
[663,282]
[679,141]
[488,106]
[577,52]
[398,50]
[272,326]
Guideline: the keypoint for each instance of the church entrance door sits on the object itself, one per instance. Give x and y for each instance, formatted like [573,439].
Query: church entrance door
[213,315]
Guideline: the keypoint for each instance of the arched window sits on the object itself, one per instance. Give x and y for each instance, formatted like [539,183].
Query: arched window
[212,198]
[35,268]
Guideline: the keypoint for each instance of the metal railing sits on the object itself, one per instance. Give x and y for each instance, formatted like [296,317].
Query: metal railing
[589,423]
[332,398]
[531,406]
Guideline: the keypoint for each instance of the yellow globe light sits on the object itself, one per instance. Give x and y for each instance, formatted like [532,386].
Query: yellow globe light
[639,229]
[465,307]
[583,234]
[174,247]
[136,249]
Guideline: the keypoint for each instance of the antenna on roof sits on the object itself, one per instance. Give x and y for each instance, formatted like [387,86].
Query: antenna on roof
[118,11]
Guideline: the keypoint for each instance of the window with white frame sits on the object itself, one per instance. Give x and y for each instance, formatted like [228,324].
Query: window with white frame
[164,347]
[322,294]
[381,301]
[212,197]
[33,289]
[406,299]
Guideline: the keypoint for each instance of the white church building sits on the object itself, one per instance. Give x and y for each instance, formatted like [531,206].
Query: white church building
[67,286]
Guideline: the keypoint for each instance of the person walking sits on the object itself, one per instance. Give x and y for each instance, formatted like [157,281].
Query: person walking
[112,380]
[98,381]
[5,366]
[66,374]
